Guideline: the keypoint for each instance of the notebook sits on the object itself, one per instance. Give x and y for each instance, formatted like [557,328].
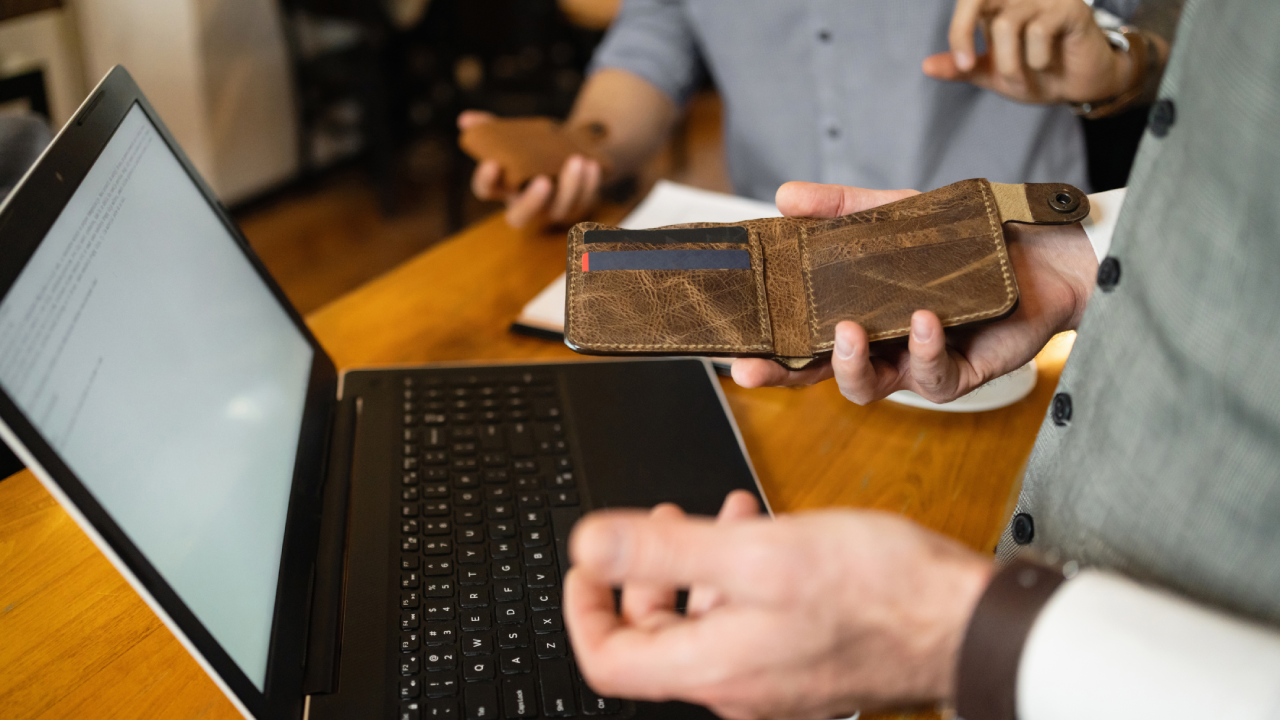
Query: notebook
[381,543]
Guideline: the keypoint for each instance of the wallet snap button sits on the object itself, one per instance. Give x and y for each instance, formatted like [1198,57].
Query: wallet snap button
[1064,201]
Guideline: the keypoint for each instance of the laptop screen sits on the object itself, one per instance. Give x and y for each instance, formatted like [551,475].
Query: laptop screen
[146,350]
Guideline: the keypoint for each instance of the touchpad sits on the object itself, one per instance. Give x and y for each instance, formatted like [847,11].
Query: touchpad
[655,431]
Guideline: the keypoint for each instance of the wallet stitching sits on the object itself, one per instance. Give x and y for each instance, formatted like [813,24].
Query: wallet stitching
[996,236]
[576,275]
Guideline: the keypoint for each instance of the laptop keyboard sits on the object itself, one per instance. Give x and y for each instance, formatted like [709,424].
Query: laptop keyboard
[487,499]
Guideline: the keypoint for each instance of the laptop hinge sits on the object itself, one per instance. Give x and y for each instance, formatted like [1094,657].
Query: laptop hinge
[325,633]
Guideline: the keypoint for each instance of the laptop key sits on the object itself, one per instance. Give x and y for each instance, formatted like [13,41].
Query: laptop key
[437,589]
[535,537]
[477,643]
[593,704]
[439,633]
[441,683]
[481,701]
[437,546]
[547,621]
[409,562]
[409,620]
[520,439]
[409,665]
[435,508]
[528,482]
[409,688]
[471,555]
[476,620]
[557,688]
[409,580]
[478,668]
[518,693]
[507,591]
[440,710]
[433,568]
[475,597]
[544,600]
[512,662]
[437,609]
[511,613]
[513,637]
[502,530]
[501,511]
[469,516]
[409,599]
[533,518]
[551,646]
[503,550]
[540,579]
[537,557]
[440,657]
[437,527]
[506,570]
[435,490]
[563,498]
[470,535]
[410,642]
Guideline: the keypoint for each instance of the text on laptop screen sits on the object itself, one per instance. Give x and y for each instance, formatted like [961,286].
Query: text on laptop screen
[150,355]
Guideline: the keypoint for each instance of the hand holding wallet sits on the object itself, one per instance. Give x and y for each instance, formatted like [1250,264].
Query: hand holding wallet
[532,146]
[777,287]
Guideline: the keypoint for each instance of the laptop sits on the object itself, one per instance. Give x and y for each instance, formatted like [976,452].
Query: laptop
[384,543]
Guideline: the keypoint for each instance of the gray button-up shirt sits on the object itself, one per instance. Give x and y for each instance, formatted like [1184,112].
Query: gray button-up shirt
[831,91]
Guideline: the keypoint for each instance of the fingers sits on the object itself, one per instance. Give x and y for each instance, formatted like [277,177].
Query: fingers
[651,604]
[471,118]
[935,373]
[861,378]
[738,505]
[805,199]
[528,205]
[964,23]
[486,182]
[576,190]
[628,546]
[758,372]
[1006,44]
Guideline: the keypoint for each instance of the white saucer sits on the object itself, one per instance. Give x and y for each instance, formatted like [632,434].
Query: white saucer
[1001,392]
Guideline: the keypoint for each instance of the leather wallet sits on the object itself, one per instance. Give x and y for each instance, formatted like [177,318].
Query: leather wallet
[776,287]
[532,146]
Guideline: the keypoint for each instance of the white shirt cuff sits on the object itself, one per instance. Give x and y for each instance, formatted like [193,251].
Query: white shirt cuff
[1105,648]
[1104,210]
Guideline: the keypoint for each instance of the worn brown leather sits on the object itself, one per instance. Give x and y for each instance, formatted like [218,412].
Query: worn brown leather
[942,251]
[532,146]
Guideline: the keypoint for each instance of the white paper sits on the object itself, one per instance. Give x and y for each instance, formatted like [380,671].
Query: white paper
[668,203]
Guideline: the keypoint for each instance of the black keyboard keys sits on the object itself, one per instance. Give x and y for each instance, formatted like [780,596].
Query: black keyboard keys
[481,701]
[557,688]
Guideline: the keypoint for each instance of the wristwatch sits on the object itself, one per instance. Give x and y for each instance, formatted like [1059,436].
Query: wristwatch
[1143,54]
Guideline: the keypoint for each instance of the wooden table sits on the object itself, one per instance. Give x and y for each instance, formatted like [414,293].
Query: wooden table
[76,641]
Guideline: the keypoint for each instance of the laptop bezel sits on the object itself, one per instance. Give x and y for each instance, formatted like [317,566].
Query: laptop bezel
[25,218]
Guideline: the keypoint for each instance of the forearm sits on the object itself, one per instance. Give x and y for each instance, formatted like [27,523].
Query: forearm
[636,114]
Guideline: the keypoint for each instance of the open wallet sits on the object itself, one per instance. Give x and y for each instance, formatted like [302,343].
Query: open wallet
[776,287]
[531,146]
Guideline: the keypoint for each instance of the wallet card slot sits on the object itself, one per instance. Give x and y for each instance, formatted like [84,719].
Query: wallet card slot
[652,309]
[703,235]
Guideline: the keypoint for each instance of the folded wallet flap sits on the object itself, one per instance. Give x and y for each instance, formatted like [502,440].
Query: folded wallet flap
[942,251]
[668,290]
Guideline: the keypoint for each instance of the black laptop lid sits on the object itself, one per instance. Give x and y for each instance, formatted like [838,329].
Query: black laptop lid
[157,381]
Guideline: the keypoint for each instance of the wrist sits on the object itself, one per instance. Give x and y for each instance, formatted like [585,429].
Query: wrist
[1066,250]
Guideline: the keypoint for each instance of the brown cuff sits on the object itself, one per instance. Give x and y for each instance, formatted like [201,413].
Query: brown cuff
[987,674]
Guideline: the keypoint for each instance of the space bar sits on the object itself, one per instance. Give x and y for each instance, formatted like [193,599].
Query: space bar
[562,520]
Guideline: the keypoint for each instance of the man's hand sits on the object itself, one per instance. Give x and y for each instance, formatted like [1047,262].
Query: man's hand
[564,200]
[1038,51]
[810,616]
[1055,267]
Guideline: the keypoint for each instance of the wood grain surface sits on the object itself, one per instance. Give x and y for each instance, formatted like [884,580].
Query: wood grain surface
[76,641]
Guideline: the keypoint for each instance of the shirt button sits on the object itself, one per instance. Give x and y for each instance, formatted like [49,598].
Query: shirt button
[1024,529]
[833,132]
[1108,274]
[1060,411]
[1161,118]
[824,36]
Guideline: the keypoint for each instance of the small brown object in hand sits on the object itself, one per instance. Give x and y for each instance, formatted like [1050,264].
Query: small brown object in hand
[532,146]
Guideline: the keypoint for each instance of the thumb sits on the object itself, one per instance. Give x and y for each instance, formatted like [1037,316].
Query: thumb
[942,66]
[933,370]
[628,546]
[806,199]
[471,118]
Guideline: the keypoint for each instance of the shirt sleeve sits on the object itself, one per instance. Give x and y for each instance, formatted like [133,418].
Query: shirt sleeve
[654,40]
[1105,647]
[1104,210]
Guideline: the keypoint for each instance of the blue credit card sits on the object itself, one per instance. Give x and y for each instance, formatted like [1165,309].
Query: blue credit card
[666,260]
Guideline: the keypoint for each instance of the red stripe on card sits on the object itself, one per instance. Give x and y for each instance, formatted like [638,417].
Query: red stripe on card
[586,265]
